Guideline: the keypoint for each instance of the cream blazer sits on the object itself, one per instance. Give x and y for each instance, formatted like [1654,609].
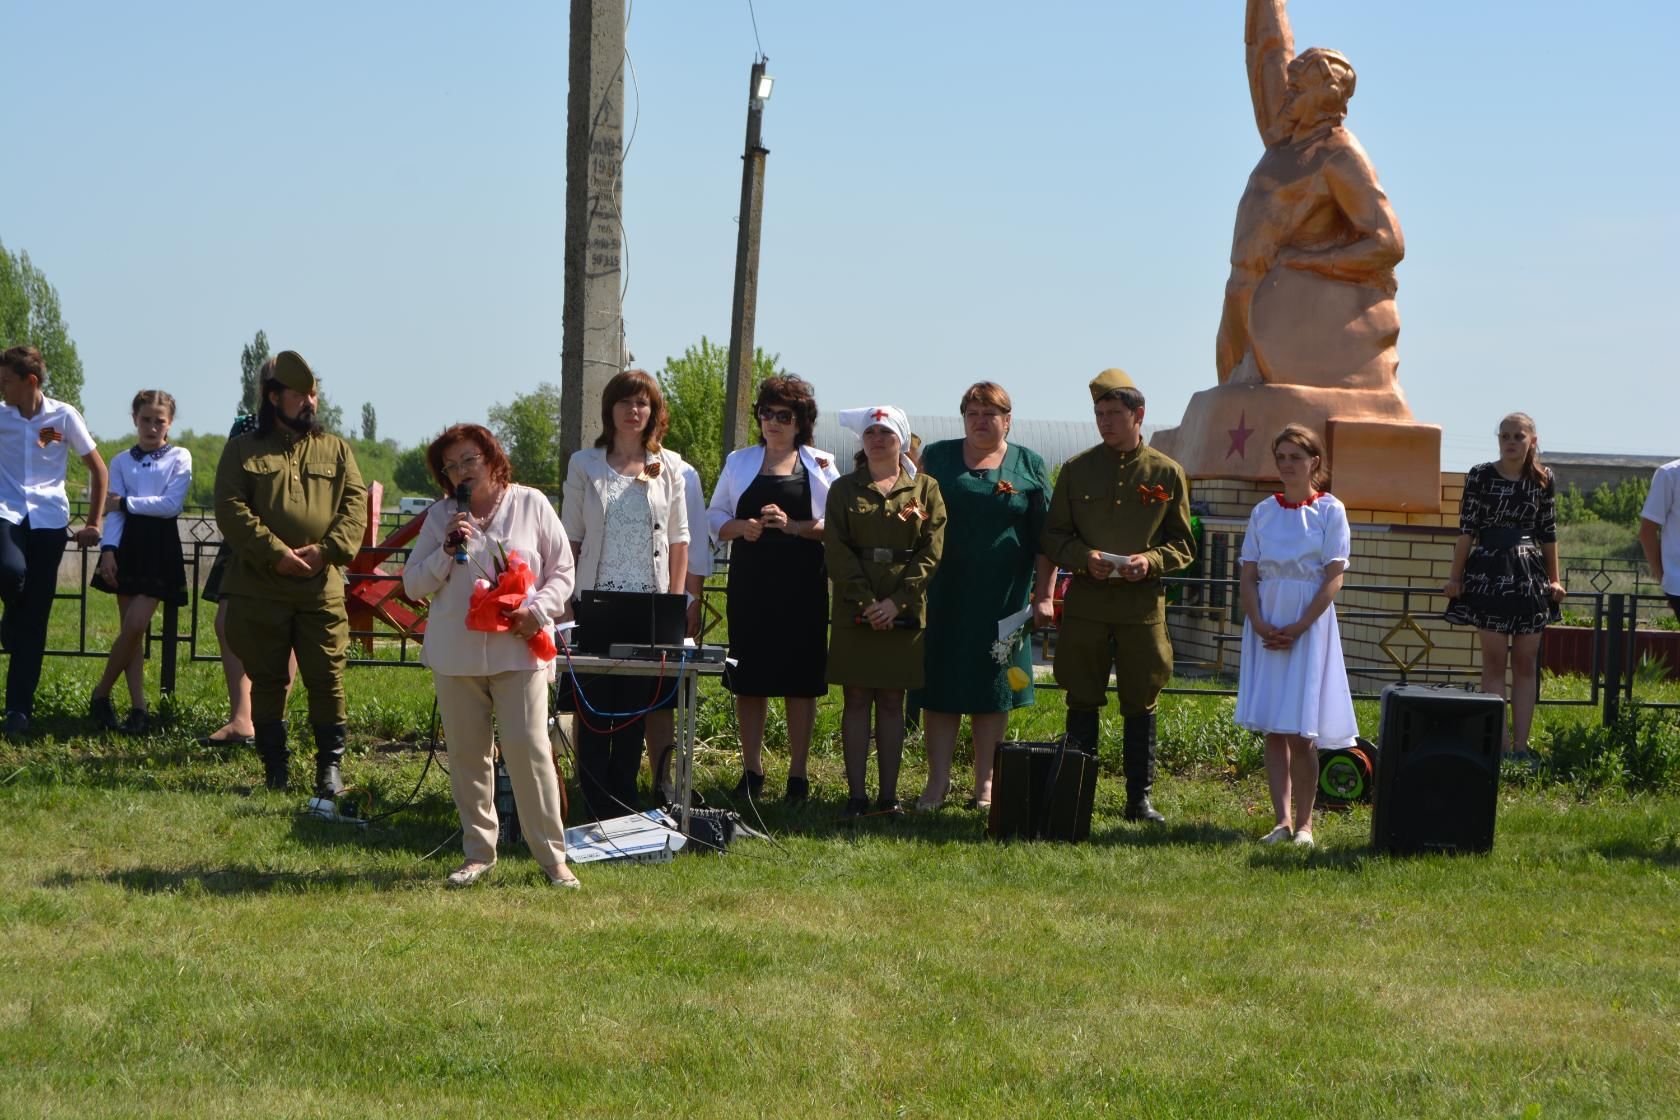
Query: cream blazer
[743,466]
[583,512]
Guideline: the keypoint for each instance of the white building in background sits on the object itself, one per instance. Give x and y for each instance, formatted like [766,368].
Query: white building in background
[1056,440]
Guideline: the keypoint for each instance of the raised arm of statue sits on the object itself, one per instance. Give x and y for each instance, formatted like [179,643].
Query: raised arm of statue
[1271,47]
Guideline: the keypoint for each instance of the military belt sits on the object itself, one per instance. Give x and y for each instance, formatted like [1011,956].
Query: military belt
[887,555]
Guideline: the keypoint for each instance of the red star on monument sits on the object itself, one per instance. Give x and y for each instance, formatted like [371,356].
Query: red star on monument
[1239,437]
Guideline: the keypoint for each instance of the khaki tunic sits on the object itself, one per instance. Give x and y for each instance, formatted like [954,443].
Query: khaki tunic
[275,492]
[859,517]
[280,491]
[1128,503]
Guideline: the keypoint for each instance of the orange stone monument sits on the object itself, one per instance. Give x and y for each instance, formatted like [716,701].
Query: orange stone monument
[1310,325]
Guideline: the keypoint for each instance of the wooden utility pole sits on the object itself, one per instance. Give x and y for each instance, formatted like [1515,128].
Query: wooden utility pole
[592,345]
[738,397]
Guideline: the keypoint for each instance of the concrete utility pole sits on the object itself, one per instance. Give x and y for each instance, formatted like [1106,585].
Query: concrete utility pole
[738,396]
[592,346]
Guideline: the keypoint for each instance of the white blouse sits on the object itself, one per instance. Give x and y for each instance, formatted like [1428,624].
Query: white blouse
[627,546]
[1297,542]
[154,485]
[524,521]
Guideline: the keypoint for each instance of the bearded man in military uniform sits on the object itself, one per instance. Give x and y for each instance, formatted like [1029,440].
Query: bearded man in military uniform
[292,508]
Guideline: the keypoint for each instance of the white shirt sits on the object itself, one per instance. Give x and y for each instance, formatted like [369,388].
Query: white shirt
[32,471]
[155,485]
[699,544]
[1662,506]
[524,522]
[1297,542]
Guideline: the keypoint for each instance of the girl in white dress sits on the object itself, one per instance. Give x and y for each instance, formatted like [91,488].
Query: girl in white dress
[1293,686]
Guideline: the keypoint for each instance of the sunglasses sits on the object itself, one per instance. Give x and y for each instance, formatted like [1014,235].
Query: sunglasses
[779,415]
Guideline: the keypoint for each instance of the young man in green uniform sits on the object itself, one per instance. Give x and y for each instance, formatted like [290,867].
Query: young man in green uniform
[1119,520]
[292,507]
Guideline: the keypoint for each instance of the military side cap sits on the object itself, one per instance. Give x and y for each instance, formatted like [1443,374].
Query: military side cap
[293,372]
[1109,380]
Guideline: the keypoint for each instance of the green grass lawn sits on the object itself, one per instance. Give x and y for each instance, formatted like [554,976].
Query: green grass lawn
[177,945]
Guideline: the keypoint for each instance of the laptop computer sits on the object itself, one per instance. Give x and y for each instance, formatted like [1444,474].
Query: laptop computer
[641,618]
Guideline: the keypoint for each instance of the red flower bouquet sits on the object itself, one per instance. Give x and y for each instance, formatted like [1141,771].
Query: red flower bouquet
[492,602]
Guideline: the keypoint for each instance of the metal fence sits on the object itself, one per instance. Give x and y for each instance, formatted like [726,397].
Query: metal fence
[1613,671]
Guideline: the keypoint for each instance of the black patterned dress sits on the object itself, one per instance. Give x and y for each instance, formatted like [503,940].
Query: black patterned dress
[1505,587]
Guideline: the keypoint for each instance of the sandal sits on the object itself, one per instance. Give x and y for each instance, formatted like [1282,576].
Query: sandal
[469,873]
[562,877]
[1278,835]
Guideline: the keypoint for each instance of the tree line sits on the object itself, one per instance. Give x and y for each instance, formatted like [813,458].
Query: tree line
[694,385]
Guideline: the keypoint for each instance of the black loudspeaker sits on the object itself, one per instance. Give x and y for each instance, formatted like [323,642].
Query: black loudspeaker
[1437,785]
[1042,791]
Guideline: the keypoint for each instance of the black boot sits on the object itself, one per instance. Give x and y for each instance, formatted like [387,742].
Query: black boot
[751,784]
[1082,730]
[1138,762]
[271,748]
[329,753]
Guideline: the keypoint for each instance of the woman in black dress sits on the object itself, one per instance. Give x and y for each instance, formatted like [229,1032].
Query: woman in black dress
[769,502]
[1504,576]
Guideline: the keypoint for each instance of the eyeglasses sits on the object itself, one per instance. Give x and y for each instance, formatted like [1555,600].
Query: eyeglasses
[779,415]
[462,463]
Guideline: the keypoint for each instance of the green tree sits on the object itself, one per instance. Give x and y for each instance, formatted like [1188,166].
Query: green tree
[696,389]
[412,475]
[30,316]
[251,358]
[1622,504]
[370,422]
[329,415]
[1572,509]
[529,430]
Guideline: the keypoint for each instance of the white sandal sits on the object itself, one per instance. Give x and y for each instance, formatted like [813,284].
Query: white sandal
[1277,835]
[469,873]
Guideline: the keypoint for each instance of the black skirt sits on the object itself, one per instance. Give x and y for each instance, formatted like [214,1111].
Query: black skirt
[149,561]
[1505,590]
[778,599]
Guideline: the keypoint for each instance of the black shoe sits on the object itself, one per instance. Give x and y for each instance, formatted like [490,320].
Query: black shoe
[139,722]
[889,807]
[798,791]
[104,716]
[855,807]
[14,725]
[1142,810]
[750,785]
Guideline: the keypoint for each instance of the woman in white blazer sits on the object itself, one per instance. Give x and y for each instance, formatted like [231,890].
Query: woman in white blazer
[769,502]
[623,509]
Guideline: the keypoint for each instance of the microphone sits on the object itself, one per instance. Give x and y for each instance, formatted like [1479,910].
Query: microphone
[463,502]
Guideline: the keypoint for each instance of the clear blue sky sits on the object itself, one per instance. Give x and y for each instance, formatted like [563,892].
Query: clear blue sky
[1028,193]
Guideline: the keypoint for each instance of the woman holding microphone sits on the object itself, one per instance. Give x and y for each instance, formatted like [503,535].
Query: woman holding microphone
[479,674]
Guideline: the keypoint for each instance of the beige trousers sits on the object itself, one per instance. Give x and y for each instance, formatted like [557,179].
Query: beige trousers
[519,701]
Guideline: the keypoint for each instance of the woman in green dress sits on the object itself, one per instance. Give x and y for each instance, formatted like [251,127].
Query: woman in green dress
[996,495]
[885,525]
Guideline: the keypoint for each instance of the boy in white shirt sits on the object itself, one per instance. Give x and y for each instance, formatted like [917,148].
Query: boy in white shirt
[36,435]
